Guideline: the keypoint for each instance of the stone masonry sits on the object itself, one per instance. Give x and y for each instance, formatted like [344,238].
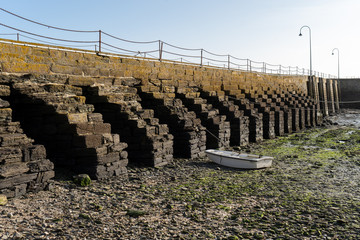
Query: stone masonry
[218,129]
[57,116]
[189,134]
[76,104]
[239,123]
[23,165]
[149,142]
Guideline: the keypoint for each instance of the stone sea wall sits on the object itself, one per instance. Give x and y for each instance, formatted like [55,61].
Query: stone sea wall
[97,113]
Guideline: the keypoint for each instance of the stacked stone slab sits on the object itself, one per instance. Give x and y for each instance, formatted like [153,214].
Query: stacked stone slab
[189,134]
[275,105]
[149,142]
[237,94]
[283,116]
[292,109]
[303,110]
[23,165]
[273,99]
[255,119]
[218,129]
[263,105]
[298,111]
[56,115]
[239,124]
[310,110]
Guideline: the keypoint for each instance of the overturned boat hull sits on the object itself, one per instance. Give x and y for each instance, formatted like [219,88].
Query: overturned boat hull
[239,160]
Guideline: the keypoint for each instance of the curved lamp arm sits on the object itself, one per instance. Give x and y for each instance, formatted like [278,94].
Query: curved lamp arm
[305,26]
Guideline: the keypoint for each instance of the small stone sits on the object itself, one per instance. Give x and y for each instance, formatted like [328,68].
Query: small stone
[135,213]
[84,216]
[82,180]
[17,235]
[3,200]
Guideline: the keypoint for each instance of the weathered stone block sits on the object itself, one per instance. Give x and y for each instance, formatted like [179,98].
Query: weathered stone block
[88,141]
[37,152]
[79,80]
[95,128]
[43,177]
[95,117]
[16,139]
[77,117]
[108,158]
[5,114]
[40,166]
[66,70]
[4,90]
[16,180]
[10,155]
[10,170]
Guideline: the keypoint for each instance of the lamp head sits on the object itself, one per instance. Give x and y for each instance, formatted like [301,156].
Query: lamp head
[300,34]
[332,53]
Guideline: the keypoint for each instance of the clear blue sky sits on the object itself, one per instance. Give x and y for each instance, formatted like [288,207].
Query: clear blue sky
[260,30]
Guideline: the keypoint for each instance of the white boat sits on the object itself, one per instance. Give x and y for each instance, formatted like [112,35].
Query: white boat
[239,160]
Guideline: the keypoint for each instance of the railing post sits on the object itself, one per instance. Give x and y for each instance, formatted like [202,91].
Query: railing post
[201,57]
[229,61]
[264,67]
[249,65]
[279,69]
[161,44]
[289,70]
[18,37]
[297,70]
[99,41]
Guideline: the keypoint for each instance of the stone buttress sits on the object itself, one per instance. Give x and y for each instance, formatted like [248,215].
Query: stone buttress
[189,134]
[23,164]
[218,129]
[149,142]
[57,116]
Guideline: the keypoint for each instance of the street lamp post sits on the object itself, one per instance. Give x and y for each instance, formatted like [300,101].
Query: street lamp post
[338,53]
[310,46]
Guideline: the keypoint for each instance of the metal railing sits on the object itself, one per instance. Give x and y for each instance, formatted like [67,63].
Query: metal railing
[102,43]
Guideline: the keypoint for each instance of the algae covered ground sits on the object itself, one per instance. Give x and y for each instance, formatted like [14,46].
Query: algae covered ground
[311,192]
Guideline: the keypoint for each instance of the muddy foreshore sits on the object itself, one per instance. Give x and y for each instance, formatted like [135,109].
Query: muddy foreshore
[311,192]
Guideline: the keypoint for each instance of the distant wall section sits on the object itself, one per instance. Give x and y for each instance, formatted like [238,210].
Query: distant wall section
[350,93]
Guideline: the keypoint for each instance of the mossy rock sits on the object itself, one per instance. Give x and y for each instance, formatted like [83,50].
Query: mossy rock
[82,180]
[135,213]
